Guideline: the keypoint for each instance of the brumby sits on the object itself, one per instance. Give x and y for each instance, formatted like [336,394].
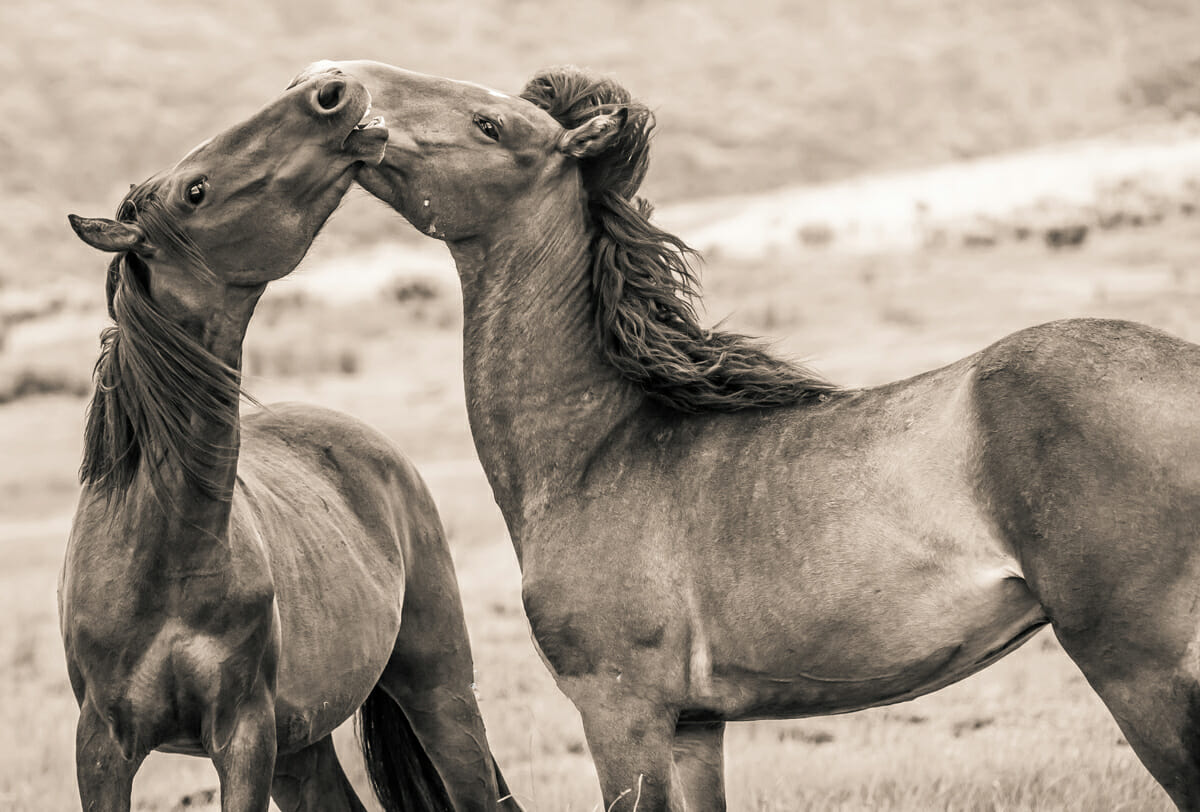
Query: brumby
[708,533]
[237,588]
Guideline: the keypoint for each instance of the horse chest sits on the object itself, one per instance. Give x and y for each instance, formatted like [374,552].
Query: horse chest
[580,628]
[150,660]
[153,687]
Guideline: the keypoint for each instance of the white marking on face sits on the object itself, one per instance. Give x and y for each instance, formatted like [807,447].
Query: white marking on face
[490,91]
[320,66]
[193,151]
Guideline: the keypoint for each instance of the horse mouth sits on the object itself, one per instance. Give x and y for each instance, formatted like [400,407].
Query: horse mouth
[369,122]
[367,140]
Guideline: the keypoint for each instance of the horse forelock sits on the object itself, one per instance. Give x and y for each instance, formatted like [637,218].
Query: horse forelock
[152,376]
[643,282]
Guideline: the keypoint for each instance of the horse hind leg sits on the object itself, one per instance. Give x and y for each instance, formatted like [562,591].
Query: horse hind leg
[425,704]
[312,780]
[425,707]
[430,680]
[1155,699]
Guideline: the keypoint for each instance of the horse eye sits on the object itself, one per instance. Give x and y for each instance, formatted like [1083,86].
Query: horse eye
[488,127]
[195,193]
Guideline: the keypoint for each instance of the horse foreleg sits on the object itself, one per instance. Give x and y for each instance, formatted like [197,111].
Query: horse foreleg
[105,775]
[631,743]
[246,763]
[698,784]
[312,780]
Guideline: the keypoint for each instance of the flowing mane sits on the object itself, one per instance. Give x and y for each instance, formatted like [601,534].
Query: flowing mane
[152,377]
[643,283]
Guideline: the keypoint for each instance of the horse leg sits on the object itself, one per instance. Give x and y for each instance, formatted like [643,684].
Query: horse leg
[105,776]
[1155,702]
[431,677]
[631,744]
[246,763]
[698,783]
[312,780]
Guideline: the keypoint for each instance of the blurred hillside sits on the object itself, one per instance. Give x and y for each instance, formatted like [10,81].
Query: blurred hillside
[749,95]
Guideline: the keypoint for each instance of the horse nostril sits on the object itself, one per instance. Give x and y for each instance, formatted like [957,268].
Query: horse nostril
[331,94]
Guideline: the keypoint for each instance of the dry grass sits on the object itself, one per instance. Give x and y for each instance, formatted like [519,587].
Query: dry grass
[1026,734]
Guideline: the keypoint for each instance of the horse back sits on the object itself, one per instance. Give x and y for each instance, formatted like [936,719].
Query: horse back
[336,472]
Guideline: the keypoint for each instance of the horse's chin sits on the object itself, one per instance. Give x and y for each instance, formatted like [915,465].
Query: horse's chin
[367,144]
[390,187]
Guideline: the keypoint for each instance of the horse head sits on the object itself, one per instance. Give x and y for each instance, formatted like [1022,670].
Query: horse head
[462,158]
[244,206]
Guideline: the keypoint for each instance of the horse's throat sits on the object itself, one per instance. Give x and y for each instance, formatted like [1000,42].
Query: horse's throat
[540,397]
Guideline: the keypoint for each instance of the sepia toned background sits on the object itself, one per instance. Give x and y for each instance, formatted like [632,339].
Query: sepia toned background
[879,187]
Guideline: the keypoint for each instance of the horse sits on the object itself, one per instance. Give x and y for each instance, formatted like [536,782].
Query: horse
[237,588]
[709,533]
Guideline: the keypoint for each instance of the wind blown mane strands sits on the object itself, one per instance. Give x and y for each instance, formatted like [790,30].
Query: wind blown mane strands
[152,380]
[643,285]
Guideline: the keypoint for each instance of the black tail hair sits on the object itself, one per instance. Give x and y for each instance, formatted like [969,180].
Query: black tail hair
[403,777]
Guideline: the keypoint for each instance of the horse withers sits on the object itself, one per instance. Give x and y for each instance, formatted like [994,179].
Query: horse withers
[237,588]
[708,533]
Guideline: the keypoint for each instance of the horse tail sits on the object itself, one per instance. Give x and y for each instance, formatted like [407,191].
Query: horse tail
[403,777]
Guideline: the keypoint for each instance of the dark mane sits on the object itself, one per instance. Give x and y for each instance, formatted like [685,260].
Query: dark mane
[152,377]
[643,283]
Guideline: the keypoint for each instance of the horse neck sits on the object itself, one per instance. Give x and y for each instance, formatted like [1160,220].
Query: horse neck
[540,397]
[166,505]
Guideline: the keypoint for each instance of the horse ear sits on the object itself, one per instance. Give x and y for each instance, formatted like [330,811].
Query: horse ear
[594,135]
[108,235]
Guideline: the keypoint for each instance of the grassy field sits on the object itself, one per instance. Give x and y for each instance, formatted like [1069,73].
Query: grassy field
[749,95]
[1026,734]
